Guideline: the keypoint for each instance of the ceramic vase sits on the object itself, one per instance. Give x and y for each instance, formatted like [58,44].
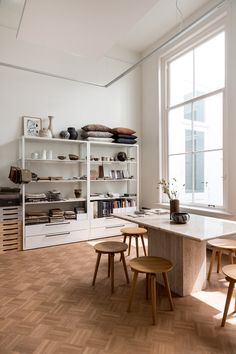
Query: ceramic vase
[174,206]
[50,128]
[73,133]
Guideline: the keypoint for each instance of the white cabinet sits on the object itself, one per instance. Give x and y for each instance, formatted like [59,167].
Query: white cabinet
[108,186]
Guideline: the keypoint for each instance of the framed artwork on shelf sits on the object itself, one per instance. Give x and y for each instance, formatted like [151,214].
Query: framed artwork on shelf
[31,125]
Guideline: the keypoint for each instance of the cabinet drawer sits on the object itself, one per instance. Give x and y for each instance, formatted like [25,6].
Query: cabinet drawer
[65,226]
[107,222]
[55,238]
[100,232]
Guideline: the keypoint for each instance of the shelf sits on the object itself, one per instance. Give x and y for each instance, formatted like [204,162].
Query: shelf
[39,139]
[112,144]
[69,200]
[93,199]
[53,160]
[113,180]
[111,162]
[60,181]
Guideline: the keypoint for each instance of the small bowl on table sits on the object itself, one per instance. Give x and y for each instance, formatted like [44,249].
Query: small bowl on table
[180,218]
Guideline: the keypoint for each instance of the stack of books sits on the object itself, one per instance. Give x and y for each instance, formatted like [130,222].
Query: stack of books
[32,218]
[56,215]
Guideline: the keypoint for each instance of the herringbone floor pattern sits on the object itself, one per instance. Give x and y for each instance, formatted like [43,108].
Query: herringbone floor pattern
[48,306]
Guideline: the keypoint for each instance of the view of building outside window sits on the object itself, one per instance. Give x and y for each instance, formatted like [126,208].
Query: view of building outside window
[196,82]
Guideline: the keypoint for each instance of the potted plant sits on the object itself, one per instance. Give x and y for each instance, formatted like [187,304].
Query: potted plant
[170,190]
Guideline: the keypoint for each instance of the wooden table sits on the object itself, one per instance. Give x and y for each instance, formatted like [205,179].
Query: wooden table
[184,245]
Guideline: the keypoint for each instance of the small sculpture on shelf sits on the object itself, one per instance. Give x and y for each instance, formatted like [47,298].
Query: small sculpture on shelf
[64,134]
[73,133]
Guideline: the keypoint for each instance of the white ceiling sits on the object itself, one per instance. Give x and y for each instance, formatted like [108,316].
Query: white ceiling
[87,28]
[109,33]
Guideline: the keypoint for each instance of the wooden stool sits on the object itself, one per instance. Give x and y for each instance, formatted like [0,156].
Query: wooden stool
[151,266]
[230,275]
[219,245]
[134,232]
[110,248]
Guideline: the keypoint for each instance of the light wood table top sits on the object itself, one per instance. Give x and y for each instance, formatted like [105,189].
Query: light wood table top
[198,228]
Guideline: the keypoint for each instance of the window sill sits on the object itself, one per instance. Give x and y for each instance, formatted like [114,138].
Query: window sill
[200,210]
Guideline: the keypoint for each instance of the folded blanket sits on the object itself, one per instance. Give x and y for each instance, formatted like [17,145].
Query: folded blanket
[122,130]
[95,134]
[125,136]
[125,141]
[96,127]
[108,140]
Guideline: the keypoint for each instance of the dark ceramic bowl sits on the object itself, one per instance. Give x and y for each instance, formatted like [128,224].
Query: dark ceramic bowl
[180,218]
[61,157]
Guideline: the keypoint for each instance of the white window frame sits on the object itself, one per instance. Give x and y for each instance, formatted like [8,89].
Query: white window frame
[188,43]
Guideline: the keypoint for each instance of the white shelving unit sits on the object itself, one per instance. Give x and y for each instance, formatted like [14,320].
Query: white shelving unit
[96,193]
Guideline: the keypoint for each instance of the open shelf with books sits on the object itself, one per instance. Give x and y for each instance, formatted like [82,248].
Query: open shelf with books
[65,189]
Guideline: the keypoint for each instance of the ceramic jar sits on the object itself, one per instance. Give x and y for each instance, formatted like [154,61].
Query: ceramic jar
[174,206]
[73,133]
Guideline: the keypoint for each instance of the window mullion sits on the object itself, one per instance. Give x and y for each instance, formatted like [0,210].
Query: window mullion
[192,152]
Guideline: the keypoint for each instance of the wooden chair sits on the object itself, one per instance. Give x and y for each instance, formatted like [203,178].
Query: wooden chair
[230,275]
[110,248]
[151,266]
[134,232]
[218,245]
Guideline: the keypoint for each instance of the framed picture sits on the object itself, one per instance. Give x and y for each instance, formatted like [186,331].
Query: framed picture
[31,126]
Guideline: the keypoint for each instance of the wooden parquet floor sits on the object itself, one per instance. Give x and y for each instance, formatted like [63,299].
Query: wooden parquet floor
[48,306]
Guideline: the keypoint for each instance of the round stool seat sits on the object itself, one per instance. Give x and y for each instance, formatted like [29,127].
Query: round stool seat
[151,265]
[110,247]
[224,243]
[230,271]
[133,231]
[218,245]
[230,275]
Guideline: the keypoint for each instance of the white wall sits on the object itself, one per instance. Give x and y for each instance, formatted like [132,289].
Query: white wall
[150,173]
[72,104]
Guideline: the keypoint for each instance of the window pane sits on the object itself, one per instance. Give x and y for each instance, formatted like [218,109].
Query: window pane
[177,170]
[178,124]
[210,65]
[207,185]
[212,164]
[208,119]
[181,79]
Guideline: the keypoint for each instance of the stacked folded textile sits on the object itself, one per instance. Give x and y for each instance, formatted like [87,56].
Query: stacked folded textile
[56,215]
[35,197]
[32,218]
[124,136]
[69,214]
[96,132]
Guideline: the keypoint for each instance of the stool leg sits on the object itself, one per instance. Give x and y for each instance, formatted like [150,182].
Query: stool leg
[144,249]
[219,262]
[132,290]
[229,295]
[96,268]
[109,265]
[231,259]
[129,245]
[165,277]
[136,240]
[147,286]
[153,298]
[213,255]
[125,268]
[112,271]
[124,241]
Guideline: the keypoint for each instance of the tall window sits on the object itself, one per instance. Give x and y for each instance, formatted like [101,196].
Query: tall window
[195,85]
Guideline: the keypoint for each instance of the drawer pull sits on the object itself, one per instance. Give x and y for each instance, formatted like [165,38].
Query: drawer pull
[58,234]
[58,223]
[114,227]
